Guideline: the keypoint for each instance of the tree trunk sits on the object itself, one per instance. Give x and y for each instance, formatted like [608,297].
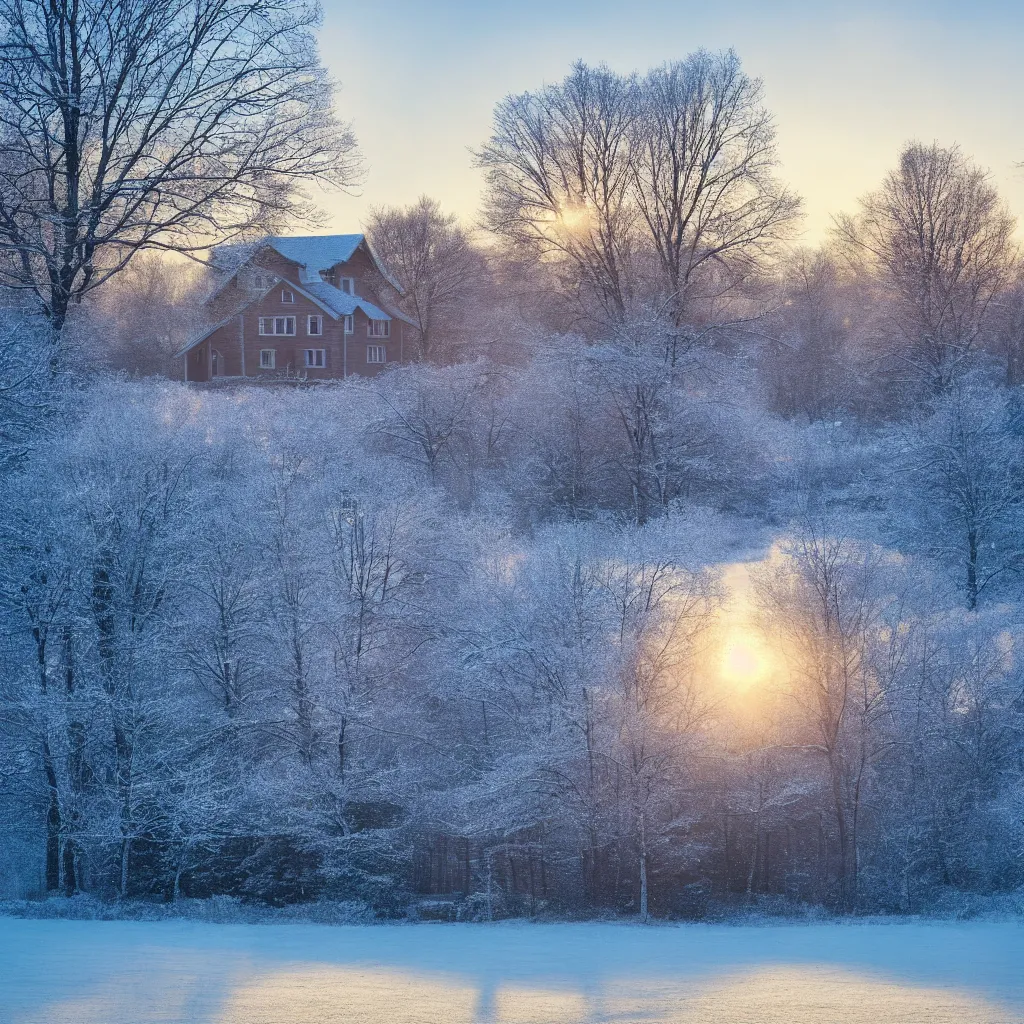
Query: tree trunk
[972,569]
[53,822]
[69,870]
[643,869]
[490,877]
[126,847]
[756,849]
[837,795]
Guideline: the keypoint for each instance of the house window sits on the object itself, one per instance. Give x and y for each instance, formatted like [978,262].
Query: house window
[350,324]
[379,329]
[316,358]
[268,358]
[315,325]
[376,354]
[348,285]
[277,325]
[287,295]
[259,282]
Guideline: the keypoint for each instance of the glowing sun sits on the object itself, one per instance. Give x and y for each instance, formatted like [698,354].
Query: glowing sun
[744,661]
[742,656]
[574,218]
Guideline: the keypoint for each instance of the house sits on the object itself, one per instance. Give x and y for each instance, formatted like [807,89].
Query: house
[300,308]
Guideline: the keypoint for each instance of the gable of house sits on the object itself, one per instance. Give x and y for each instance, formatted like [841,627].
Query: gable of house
[345,261]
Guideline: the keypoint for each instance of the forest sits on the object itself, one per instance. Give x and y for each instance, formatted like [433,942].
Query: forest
[679,575]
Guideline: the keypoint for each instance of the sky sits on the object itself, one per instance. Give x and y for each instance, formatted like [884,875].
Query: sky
[848,84]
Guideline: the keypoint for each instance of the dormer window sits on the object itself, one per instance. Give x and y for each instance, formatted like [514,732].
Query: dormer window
[287,295]
[348,285]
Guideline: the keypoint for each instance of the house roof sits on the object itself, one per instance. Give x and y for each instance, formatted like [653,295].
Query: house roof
[343,304]
[316,252]
[340,303]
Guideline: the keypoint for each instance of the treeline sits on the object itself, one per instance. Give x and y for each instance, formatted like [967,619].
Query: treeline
[449,642]
[372,642]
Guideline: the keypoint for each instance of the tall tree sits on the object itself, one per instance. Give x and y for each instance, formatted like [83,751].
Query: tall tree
[965,462]
[939,238]
[147,124]
[702,175]
[641,187]
[844,634]
[811,366]
[437,269]
[1005,339]
[557,166]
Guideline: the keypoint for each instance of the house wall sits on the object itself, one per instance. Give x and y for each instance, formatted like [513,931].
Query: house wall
[342,354]
[369,284]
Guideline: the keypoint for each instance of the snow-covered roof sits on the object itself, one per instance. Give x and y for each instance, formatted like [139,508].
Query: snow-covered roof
[315,252]
[344,304]
[341,303]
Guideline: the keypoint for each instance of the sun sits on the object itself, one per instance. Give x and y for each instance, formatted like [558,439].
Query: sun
[741,656]
[744,660]
[574,217]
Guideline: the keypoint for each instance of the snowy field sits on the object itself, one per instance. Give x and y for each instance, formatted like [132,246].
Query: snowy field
[95,972]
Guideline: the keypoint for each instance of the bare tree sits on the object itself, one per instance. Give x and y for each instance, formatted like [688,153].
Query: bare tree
[1005,338]
[557,166]
[844,635]
[641,187]
[702,175]
[940,239]
[812,366]
[437,268]
[657,711]
[145,314]
[150,124]
[965,462]
[428,418]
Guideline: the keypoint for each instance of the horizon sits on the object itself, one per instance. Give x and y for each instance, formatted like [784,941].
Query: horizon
[829,85]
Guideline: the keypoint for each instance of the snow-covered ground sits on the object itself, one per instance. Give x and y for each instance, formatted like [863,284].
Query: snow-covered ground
[97,972]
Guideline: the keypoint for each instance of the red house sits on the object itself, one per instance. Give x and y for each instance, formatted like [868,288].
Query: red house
[299,308]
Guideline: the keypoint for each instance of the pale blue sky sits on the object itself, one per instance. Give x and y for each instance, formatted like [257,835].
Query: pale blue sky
[848,83]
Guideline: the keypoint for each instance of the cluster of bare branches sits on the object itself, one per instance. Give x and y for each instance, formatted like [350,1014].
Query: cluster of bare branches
[654,191]
[439,277]
[940,241]
[148,124]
